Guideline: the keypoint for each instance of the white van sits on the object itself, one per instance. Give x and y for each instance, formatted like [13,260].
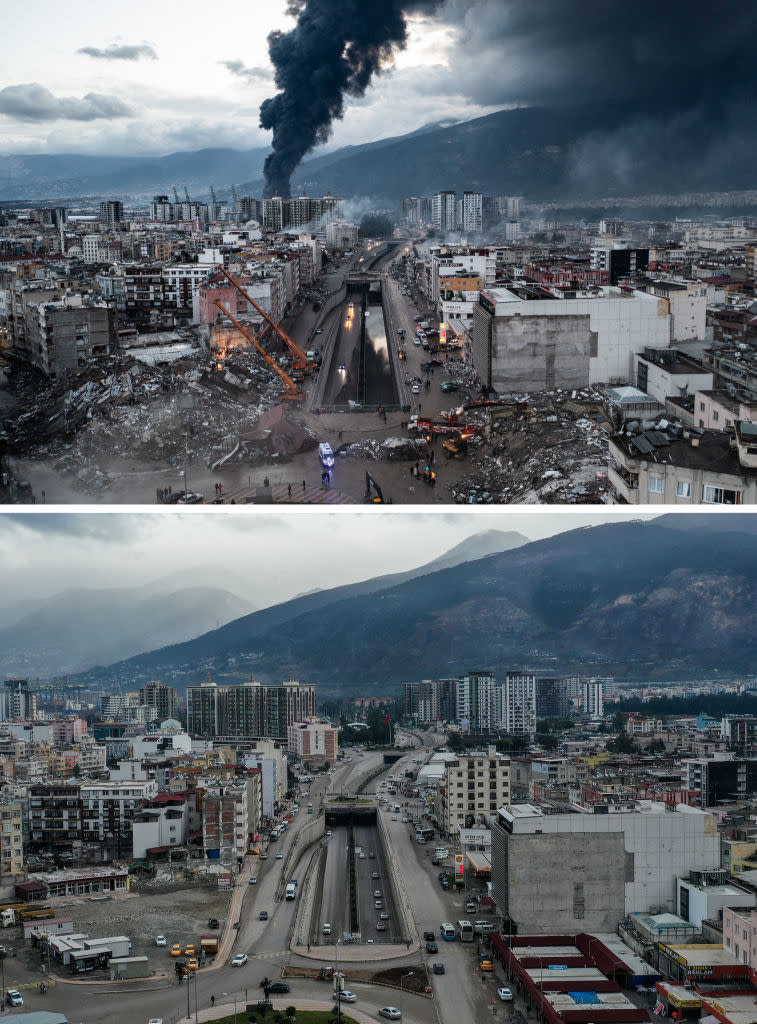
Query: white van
[326,929]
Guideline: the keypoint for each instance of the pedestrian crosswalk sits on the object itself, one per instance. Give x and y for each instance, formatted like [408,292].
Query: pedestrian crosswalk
[271,956]
[291,493]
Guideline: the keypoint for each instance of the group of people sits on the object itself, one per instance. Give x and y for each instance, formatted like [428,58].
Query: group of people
[161,493]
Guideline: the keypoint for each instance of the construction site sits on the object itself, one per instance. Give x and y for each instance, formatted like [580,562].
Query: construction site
[238,415]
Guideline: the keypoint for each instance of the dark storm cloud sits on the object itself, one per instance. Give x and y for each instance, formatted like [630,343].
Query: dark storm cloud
[33,102]
[649,58]
[664,88]
[238,68]
[116,52]
[334,51]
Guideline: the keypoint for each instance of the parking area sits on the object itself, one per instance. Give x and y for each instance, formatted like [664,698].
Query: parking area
[181,915]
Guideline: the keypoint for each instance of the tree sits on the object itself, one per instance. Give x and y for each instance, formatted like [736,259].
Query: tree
[455,742]
[622,744]
[548,741]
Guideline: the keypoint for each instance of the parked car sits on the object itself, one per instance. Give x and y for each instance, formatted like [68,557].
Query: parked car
[505,994]
[381,926]
[160,940]
[346,996]
[485,964]
[193,964]
[14,997]
[384,916]
[239,960]
[253,880]
[189,950]
[390,1012]
[279,856]
[176,949]
[263,915]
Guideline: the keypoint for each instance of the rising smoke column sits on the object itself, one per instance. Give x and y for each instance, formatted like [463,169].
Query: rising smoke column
[334,50]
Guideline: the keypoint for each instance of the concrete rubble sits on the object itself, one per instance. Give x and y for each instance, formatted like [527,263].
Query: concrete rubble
[552,450]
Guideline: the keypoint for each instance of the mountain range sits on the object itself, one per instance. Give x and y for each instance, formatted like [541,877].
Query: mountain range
[541,153]
[632,599]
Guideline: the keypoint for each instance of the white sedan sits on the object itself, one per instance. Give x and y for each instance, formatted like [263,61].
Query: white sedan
[390,1012]
[347,997]
[505,994]
[239,960]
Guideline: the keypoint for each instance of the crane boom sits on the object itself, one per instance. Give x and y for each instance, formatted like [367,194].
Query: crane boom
[292,390]
[234,193]
[176,195]
[301,360]
[186,193]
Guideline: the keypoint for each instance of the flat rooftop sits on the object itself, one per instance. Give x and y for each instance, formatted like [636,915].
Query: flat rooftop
[737,1009]
[705,956]
[539,975]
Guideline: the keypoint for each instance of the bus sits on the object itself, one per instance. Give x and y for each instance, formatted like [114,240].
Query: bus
[425,832]
[447,932]
[465,931]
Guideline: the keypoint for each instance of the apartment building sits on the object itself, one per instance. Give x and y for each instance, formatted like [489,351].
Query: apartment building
[107,809]
[444,211]
[519,703]
[181,282]
[18,702]
[314,743]
[703,467]
[55,816]
[225,820]
[11,838]
[165,821]
[740,934]
[474,786]
[250,709]
[160,697]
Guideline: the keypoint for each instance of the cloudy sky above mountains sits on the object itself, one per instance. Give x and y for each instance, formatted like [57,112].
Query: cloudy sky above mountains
[265,556]
[154,79]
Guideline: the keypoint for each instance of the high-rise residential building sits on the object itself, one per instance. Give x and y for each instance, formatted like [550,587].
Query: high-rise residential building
[111,212]
[619,261]
[19,702]
[520,703]
[721,779]
[161,209]
[475,701]
[164,699]
[444,212]
[472,212]
[251,709]
[225,818]
[475,786]
[594,698]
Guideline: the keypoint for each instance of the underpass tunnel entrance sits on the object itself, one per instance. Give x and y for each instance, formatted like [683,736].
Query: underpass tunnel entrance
[351,816]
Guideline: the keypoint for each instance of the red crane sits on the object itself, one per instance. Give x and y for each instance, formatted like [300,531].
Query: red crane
[291,390]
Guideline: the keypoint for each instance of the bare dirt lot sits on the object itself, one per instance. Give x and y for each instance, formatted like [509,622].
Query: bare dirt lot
[180,915]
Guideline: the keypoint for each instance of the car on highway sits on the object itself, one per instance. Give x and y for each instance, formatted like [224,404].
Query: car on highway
[346,996]
[375,874]
[505,994]
[381,926]
[239,960]
[160,940]
[390,1012]
[319,330]
[342,366]
[416,391]
[378,904]
[328,833]
[176,949]
[450,385]
[253,880]
[279,987]
[485,964]
[432,947]
[377,894]
[263,915]
[326,929]
[279,856]
[429,936]
[438,968]
[384,916]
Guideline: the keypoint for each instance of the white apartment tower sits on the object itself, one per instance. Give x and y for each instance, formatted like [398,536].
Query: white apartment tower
[473,210]
[444,212]
[520,703]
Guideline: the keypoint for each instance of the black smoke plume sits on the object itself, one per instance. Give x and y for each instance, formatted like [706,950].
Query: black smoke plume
[334,50]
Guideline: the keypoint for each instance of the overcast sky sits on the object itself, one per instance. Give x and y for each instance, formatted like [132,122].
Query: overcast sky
[265,556]
[152,79]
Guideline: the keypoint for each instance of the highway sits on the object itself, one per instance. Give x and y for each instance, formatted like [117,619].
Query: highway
[461,993]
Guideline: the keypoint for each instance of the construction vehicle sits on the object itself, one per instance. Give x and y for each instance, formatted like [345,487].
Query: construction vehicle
[291,390]
[301,362]
[456,446]
[371,485]
[18,914]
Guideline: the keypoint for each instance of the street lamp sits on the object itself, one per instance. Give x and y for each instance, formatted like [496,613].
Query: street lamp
[337,990]
[402,979]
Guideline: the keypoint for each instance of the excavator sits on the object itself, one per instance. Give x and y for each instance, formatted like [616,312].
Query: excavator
[370,487]
[456,446]
[291,391]
[302,365]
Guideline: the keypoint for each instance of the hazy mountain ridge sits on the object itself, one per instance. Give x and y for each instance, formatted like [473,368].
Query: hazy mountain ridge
[537,152]
[636,595]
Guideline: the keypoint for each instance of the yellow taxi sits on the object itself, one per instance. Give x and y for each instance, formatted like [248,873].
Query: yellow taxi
[189,950]
[176,949]
[193,964]
[485,964]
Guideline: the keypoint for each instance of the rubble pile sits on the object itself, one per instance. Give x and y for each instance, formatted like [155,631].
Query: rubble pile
[393,449]
[552,450]
[151,415]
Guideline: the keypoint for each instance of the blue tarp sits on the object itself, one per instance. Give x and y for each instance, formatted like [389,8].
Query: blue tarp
[584,997]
